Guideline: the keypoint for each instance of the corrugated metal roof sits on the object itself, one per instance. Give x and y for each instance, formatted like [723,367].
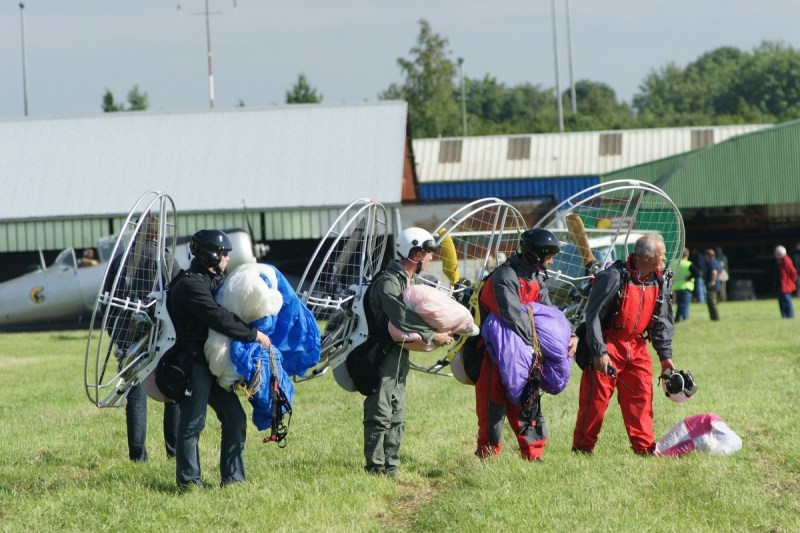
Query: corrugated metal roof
[760,168]
[290,156]
[558,154]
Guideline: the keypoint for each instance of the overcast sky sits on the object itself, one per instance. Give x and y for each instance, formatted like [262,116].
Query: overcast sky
[348,49]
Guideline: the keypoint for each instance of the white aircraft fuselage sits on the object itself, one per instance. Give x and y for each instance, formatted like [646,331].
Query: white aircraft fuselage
[64,291]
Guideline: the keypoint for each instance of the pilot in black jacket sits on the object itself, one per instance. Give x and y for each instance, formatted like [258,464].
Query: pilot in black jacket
[191,305]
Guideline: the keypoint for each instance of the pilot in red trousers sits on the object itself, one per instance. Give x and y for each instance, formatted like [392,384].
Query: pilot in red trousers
[626,302]
[518,281]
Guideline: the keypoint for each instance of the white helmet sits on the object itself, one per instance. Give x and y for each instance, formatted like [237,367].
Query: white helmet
[411,238]
[678,385]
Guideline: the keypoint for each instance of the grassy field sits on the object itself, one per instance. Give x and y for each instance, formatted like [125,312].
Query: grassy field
[63,462]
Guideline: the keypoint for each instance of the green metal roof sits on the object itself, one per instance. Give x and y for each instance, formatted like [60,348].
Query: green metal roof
[759,168]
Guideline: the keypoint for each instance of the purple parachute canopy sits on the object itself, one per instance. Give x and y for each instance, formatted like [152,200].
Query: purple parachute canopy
[513,355]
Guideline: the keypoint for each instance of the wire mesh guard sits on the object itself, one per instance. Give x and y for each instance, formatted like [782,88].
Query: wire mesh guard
[335,280]
[600,225]
[135,329]
[472,242]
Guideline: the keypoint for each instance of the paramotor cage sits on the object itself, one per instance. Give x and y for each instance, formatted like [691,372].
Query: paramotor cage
[334,283]
[134,327]
[471,242]
[600,225]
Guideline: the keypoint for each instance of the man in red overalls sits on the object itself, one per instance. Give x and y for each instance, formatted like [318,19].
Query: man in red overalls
[626,301]
[518,281]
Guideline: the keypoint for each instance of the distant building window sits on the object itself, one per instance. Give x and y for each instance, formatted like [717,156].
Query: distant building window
[610,144]
[702,138]
[450,152]
[519,148]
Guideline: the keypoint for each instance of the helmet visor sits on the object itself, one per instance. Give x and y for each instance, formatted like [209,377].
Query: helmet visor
[429,246]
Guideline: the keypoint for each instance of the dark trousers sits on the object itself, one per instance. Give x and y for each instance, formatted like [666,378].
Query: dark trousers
[712,297]
[684,300]
[136,422]
[785,303]
[231,415]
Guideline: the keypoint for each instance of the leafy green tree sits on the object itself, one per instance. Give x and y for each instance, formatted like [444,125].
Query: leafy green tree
[428,87]
[769,79]
[724,86]
[598,108]
[524,108]
[302,93]
[109,105]
[137,101]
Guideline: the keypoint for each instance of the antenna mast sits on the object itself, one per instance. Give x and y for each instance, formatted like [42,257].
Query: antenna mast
[207,14]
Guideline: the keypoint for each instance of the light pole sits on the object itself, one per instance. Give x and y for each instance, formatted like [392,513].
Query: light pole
[463,99]
[558,76]
[24,57]
[210,70]
[207,13]
[574,100]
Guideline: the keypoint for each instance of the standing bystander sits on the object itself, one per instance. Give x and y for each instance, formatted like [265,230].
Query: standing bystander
[683,285]
[785,281]
[711,277]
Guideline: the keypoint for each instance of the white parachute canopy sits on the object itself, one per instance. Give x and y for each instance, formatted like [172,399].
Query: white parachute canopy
[705,432]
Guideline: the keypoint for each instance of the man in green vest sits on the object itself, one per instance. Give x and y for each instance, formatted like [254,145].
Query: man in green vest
[683,286]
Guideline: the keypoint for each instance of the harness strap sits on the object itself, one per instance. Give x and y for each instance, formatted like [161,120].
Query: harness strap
[530,402]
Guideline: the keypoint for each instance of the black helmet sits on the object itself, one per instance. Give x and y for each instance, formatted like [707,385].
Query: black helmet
[209,245]
[678,385]
[537,243]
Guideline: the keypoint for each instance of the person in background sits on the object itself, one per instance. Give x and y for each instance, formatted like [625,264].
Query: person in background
[796,262]
[785,281]
[88,259]
[711,277]
[137,280]
[683,285]
[700,281]
[724,276]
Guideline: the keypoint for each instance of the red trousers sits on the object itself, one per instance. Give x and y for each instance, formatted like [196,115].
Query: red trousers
[634,385]
[493,407]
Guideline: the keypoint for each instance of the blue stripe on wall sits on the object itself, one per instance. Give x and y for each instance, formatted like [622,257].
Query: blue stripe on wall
[558,189]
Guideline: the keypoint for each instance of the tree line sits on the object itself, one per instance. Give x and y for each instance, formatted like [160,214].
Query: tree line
[723,86]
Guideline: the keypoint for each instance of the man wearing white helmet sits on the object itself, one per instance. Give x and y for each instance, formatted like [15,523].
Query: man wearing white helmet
[384,407]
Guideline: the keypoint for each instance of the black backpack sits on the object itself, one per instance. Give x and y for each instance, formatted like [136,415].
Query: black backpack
[174,369]
[363,360]
[173,373]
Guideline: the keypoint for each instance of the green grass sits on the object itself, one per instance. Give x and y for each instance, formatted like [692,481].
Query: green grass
[63,462]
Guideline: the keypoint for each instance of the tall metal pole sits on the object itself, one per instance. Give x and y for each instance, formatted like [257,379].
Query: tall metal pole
[210,70]
[558,75]
[207,14]
[463,99]
[574,100]
[24,57]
